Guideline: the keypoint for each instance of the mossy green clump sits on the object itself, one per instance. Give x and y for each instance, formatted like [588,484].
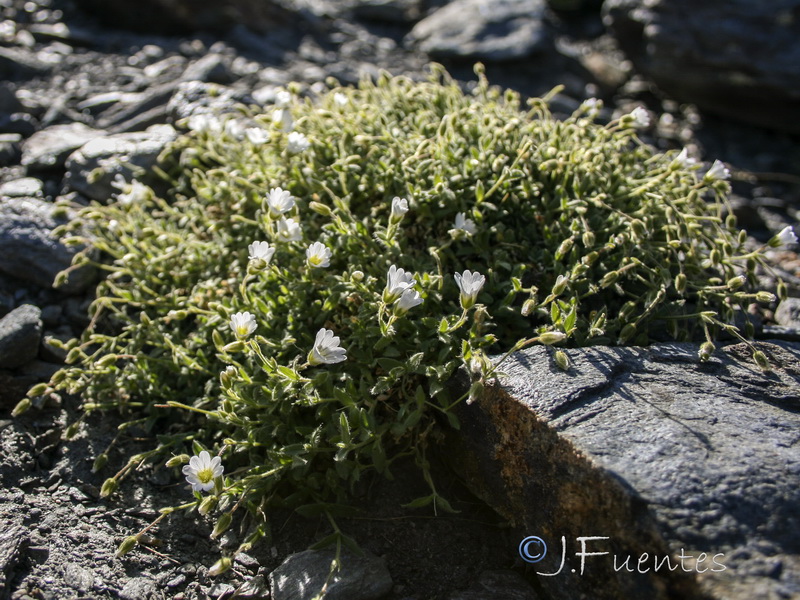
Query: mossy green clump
[583,234]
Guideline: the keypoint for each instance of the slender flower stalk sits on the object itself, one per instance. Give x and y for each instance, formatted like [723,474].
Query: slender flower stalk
[326,349]
[470,284]
[202,470]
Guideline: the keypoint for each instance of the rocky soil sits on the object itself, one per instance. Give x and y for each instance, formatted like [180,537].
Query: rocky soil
[82,92]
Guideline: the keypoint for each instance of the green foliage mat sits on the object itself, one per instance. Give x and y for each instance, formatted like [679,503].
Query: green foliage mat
[573,233]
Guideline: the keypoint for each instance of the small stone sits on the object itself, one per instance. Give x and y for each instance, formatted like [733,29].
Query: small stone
[476,29]
[221,590]
[788,313]
[212,68]
[29,251]
[302,575]
[49,148]
[26,186]
[79,578]
[20,332]
[255,588]
[139,588]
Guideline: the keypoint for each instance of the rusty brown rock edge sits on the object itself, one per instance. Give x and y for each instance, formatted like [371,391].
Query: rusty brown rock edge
[575,497]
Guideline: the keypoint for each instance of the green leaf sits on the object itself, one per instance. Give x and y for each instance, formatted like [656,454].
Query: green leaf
[419,502]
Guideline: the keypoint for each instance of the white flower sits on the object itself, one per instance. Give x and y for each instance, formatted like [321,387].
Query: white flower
[283,98]
[399,208]
[397,282]
[340,99]
[326,349]
[257,135]
[133,192]
[289,230]
[408,300]
[234,128]
[684,160]
[592,106]
[718,172]
[296,143]
[279,201]
[243,324]
[640,117]
[202,470]
[470,284]
[283,118]
[318,255]
[205,122]
[784,238]
[464,224]
[261,251]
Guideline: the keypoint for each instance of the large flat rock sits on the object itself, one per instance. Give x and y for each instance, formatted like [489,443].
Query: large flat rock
[658,453]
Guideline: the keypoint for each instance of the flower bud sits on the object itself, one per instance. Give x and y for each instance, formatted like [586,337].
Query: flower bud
[706,350]
[765,297]
[627,332]
[734,283]
[560,285]
[588,239]
[638,228]
[475,392]
[177,461]
[357,275]
[237,346]
[783,293]
[564,248]
[71,431]
[680,283]
[562,360]
[761,360]
[99,462]
[609,279]
[219,567]
[21,407]
[320,208]
[128,544]
[109,487]
[552,337]
[207,505]
[528,306]
[40,389]
[222,525]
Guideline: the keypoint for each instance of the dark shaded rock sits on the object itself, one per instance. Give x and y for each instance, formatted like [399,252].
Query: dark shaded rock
[255,588]
[302,575]
[788,313]
[13,540]
[183,16]
[9,103]
[29,250]
[92,169]
[18,62]
[212,67]
[49,148]
[20,334]
[197,97]
[10,152]
[20,123]
[397,11]
[508,585]
[657,452]
[476,29]
[26,186]
[738,59]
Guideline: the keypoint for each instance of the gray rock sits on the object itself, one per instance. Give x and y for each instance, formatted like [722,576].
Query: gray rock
[491,585]
[302,575]
[482,29]
[49,148]
[726,57]
[9,103]
[29,250]
[78,578]
[140,588]
[92,169]
[788,313]
[10,152]
[20,334]
[25,186]
[658,452]
[213,67]
[255,589]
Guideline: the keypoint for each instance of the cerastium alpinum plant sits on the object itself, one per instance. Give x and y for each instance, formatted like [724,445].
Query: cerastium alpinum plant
[293,309]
